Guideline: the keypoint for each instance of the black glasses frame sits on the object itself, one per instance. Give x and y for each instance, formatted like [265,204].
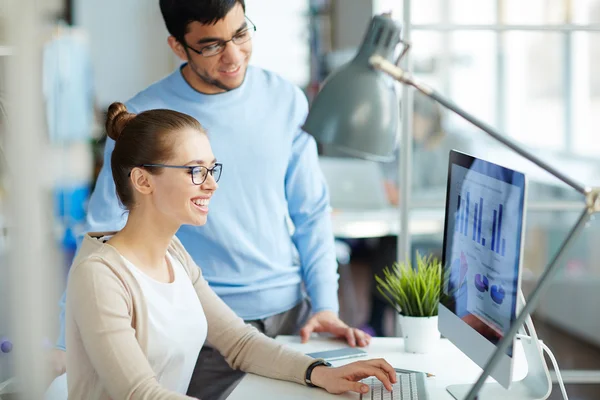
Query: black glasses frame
[223,43]
[218,167]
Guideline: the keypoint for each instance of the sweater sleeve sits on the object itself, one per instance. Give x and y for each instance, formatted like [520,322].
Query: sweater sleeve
[242,345]
[308,204]
[99,303]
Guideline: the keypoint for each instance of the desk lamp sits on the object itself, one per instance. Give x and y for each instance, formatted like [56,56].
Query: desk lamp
[357,110]
[344,115]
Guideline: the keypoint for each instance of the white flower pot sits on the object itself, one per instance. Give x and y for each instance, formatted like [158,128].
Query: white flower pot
[421,334]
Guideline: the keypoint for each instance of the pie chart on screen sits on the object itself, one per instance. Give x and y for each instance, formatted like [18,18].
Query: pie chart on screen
[497,293]
[482,283]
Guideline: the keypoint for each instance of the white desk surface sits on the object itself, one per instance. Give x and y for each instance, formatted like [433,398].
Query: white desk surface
[447,363]
[357,224]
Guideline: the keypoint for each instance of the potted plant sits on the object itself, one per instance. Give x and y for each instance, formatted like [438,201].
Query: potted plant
[415,293]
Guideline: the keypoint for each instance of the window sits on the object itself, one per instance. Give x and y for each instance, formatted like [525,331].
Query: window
[524,67]
[533,83]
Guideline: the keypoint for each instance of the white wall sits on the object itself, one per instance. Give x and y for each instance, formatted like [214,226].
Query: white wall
[281,43]
[128,43]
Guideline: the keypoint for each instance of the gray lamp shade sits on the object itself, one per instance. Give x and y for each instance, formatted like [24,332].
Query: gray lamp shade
[357,109]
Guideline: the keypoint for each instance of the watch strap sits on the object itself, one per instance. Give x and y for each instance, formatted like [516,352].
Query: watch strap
[310,368]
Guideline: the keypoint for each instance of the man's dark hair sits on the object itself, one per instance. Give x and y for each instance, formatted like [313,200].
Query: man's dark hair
[178,14]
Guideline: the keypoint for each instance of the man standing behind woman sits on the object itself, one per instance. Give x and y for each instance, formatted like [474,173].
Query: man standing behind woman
[268,249]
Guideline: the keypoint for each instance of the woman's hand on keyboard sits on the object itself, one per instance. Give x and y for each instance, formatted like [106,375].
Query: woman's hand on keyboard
[346,378]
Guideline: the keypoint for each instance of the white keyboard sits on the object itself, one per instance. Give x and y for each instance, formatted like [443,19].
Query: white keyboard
[409,386]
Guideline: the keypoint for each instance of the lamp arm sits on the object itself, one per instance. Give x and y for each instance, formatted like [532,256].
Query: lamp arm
[402,76]
[531,303]
[592,206]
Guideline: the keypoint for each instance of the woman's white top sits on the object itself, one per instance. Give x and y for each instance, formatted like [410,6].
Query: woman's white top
[177,326]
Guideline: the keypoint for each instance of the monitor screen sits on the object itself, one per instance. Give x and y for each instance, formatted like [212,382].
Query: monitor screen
[482,244]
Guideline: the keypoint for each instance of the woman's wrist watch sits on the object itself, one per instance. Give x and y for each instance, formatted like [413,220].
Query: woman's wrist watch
[310,368]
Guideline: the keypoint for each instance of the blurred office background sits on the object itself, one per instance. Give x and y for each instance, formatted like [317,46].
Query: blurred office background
[529,68]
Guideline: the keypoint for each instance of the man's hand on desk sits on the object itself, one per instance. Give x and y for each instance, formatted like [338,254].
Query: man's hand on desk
[329,322]
[345,378]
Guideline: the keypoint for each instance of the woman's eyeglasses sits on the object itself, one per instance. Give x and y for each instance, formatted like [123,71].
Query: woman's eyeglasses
[198,172]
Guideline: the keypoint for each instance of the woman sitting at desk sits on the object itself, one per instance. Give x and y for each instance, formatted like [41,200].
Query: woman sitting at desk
[138,308]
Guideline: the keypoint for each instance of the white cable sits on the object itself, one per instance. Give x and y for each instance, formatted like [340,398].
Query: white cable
[558,375]
[554,363]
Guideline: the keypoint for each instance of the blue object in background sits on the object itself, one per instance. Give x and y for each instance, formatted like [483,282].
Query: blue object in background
[70,204]
[5,345]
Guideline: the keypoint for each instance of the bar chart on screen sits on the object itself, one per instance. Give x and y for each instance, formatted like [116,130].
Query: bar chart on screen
[465,208]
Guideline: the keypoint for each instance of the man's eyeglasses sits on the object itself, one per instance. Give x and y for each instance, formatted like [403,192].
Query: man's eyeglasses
[218,46]
[198,172]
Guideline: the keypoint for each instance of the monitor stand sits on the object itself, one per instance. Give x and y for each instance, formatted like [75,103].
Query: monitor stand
[537,385]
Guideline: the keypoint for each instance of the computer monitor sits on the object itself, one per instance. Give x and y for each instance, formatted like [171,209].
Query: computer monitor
[481,257]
